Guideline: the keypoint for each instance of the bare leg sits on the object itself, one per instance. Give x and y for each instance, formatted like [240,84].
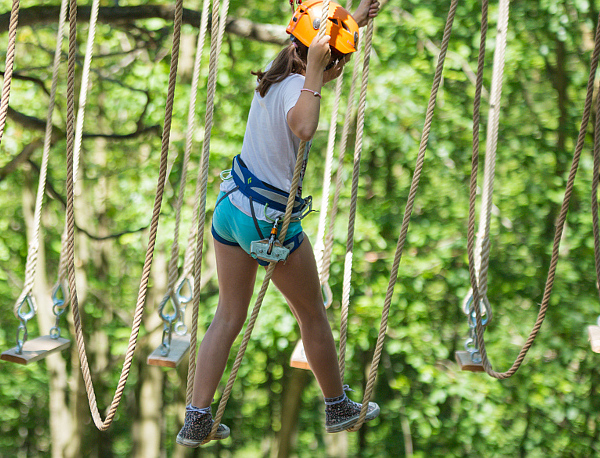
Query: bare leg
[237,273]
[298,280]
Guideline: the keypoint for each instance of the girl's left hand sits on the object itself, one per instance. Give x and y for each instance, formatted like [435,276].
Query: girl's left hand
[367,9]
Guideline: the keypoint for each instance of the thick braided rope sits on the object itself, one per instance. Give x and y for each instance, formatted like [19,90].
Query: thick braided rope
[320,248]
[10,61]
[270,269]
[191,121]
[217,32]
[188,259]
[407,215]
[557,235]
[32,254]
[328,244]
[139,309]
[360,123]
[85,81]
[595,180]
[482,264]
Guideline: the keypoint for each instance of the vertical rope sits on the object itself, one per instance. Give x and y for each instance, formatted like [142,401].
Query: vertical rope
[188,260]
[32,252]
[407,215]
[218,30]
[10,61]
[595,180]
[483,251]
[362,103]
[191,121]
[328,248]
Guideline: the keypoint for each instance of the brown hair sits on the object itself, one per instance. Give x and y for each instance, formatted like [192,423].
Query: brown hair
[291,59]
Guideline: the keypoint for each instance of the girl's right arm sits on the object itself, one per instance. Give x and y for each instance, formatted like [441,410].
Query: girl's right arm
[303,118]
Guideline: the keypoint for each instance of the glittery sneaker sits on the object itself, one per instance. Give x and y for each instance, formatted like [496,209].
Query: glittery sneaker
[197,426]
[341,413]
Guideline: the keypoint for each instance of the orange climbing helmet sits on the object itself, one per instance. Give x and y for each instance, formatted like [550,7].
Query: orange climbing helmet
[341,26]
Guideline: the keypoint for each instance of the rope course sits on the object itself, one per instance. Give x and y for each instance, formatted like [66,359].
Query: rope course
[476,305]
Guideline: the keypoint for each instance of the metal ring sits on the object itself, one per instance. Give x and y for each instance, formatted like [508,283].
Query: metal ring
[181,328]
[476,357]
[55,332]
[21,342]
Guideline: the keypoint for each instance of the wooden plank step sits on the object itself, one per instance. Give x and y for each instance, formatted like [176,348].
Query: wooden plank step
[463,358]
[179,347]
[298,359]
[35,349]
[594,334]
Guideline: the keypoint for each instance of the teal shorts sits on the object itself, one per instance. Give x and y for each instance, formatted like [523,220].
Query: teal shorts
[233,227]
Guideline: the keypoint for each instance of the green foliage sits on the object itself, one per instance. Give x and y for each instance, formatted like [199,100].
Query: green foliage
[429,407]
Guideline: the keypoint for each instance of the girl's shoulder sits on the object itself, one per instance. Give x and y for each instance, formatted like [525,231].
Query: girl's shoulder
[293,81]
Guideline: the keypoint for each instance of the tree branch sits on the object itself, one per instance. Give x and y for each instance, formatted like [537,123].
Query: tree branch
[23,156]
[114,15]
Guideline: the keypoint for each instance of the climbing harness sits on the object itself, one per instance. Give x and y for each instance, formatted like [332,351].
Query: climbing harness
[263,193]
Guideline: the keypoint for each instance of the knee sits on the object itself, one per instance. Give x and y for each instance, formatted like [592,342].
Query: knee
[228,324]
[312,316]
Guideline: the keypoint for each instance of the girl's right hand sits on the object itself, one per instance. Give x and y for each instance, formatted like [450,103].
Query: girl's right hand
[319,53]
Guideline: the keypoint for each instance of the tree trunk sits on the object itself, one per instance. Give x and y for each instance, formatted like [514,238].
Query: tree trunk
[290,410]
[147,431]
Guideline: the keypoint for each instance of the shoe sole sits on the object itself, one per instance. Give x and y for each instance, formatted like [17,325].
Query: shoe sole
[338,428]
[193,444]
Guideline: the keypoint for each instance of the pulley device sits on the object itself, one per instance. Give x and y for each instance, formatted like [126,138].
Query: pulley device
[269,249]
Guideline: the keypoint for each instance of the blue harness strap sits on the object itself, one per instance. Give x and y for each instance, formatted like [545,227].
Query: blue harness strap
[262,192]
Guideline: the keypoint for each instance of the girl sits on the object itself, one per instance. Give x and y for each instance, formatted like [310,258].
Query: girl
[284,111]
